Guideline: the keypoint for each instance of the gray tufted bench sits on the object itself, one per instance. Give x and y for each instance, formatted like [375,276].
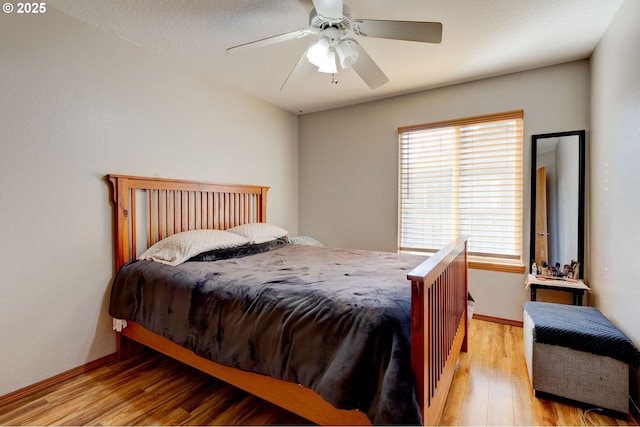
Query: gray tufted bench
[577,353]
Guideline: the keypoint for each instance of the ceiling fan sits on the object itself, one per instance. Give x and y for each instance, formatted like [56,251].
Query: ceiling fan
[331,22]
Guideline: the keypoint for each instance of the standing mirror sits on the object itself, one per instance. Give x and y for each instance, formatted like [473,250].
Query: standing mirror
[557,198]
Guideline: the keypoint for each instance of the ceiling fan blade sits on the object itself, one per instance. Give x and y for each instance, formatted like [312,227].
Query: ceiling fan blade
[303,66]
[272,40]
[328,8]
[428,32]
[368,70]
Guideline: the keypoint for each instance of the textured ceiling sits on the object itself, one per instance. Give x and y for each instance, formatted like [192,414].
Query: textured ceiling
[481,38]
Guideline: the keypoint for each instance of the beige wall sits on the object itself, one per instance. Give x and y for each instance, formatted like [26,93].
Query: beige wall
[76,104]
[615,175]
[348,161]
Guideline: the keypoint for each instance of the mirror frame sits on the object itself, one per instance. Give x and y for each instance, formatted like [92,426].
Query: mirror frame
[581,134]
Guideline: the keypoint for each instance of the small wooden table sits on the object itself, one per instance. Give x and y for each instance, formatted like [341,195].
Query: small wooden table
[575,287]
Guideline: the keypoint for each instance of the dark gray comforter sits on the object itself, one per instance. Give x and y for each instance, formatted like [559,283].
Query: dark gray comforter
[336,321]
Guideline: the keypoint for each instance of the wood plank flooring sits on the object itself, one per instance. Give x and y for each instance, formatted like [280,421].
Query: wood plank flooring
[490,387]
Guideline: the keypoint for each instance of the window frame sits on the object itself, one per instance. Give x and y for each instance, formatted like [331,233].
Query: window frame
[508,264]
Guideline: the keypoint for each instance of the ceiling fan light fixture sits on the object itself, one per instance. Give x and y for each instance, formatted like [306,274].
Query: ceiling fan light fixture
[329,64]
[331,22]
[318,51]
[347,53]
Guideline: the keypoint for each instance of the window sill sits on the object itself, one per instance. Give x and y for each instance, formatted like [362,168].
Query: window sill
[479,263]
[495,265]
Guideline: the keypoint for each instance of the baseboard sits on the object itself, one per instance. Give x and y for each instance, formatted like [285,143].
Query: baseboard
[39,386]
[498,320]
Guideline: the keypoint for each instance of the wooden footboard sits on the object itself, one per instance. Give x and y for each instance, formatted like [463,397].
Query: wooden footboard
[438,288]
[439,325]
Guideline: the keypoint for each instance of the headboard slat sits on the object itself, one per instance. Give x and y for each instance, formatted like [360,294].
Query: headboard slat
[134,229]
[160,214]
[152,231]
[167,225]
[169,207]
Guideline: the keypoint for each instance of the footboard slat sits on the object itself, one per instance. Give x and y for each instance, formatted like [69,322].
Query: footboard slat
[439,320]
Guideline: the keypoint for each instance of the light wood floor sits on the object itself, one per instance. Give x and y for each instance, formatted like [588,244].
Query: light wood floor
[491,387]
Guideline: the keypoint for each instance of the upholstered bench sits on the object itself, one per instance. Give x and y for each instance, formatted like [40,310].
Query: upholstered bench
[576,353]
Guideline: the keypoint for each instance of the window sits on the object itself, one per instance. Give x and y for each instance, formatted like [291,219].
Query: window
[464,177]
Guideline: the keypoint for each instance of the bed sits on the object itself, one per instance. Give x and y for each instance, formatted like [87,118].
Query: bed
[413,360]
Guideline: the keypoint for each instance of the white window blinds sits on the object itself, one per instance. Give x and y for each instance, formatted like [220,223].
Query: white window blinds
[463,177]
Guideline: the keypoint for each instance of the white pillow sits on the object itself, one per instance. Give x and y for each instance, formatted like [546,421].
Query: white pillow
[260,232]
[178,248]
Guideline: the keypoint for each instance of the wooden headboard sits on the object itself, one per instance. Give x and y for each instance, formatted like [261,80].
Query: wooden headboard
[150,209]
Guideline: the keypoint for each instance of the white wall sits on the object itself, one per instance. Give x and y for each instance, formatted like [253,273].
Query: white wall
[76,104]
[349,161]
[615,173]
